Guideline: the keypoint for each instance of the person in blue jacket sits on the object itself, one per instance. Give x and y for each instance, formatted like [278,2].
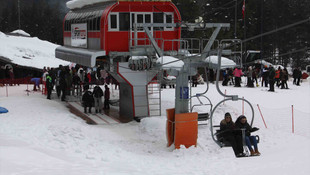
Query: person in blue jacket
[36,82]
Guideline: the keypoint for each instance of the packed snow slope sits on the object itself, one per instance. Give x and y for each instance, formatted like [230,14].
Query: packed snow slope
[29,51]
[40,136]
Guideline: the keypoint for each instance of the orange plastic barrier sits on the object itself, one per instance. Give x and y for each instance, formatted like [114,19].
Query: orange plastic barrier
[186,129]
[170,126]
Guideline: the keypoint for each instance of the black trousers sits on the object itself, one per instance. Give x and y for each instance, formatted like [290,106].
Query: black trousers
[49,92]
[106,104]
[271,84]
[237,81]
[58,90]
[236,143]
[89,105]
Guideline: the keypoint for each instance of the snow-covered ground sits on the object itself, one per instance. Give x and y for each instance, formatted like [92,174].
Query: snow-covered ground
[40,136]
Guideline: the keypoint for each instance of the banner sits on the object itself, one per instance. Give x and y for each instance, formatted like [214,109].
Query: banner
[79,35]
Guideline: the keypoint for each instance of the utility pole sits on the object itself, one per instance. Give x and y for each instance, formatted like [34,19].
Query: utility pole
[244,25]
[236,20]
[18,14]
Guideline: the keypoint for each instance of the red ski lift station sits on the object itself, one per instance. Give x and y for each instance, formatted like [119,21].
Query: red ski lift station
[108,33]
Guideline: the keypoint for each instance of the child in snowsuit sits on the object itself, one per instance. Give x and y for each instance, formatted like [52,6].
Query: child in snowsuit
[87,100]
[98,93]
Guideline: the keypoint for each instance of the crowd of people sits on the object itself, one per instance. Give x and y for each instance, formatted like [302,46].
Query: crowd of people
[77,81]
[269,77]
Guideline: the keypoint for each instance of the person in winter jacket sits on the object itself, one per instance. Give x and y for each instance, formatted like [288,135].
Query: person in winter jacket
[106,97]
[277,76]
[272,74]
[98,93]
[225,78]
[195,80]
[249,77]
[36,82]
[299,74]
[63,83]
[265,74]
[241,123]
[49,86]
[254,76]
[284,78]
[58,88]
[44,81]
[227,128]
[295,75]
[76,83]
[87,100]
[237,73]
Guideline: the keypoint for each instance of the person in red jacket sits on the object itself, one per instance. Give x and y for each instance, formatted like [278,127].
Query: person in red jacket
[277,76]
[106,97]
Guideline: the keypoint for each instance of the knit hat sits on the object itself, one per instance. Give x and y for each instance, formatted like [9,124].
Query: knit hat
[241,117]
[227,114]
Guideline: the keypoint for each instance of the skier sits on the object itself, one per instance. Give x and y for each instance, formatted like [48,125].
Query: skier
[241,123]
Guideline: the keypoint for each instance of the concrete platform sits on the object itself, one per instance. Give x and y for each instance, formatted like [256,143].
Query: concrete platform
[93,118]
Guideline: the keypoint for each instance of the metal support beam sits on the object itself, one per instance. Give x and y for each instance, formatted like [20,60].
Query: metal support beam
[210,42]
[154,43]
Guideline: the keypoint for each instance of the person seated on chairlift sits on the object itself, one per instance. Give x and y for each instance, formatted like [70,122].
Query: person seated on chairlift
[241,123]
[227,128]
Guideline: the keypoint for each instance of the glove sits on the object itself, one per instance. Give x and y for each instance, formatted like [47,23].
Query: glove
[254,129]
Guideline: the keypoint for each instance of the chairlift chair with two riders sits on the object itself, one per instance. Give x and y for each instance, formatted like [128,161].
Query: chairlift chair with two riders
[214,128]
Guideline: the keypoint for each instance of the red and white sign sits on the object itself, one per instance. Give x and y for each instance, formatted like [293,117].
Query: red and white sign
[79,35]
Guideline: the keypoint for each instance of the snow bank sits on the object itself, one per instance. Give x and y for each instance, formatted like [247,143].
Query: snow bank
[21,32]
[81,3]
[225,62]
[29,51]
[169,62]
